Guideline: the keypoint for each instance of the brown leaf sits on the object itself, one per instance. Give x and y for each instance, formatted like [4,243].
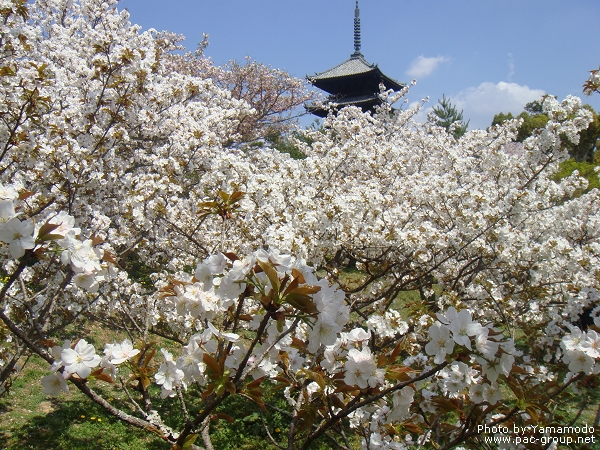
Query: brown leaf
[146,381]
[307,289]
[96,240]
[283,380]
[224,416]
[447,404]
[298,344]
[316,377]
[109,257]
[255,383]
[48,343]
[224,195]
[236,196]
[336,401]
[230,387]
[299,275]
[149,357]
[397,350]
[25,195]
[399,373]
[302,302]
[346,388]
[271,274]
[413,428]
[293,285]
[46,229]
[213,365]
[231,256]
[100,375]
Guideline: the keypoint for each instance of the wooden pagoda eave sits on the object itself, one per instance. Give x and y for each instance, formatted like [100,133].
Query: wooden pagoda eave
[364,102]
[361,83]
[353,75]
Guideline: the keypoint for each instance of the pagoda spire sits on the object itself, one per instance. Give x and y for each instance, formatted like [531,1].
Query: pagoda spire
[356,31]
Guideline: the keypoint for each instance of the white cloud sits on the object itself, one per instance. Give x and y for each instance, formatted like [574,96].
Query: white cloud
[481,103]
[422,66]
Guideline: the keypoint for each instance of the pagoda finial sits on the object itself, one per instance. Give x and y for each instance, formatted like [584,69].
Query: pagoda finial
[356,31]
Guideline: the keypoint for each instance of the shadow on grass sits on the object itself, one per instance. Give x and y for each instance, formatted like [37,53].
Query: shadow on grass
[77,425]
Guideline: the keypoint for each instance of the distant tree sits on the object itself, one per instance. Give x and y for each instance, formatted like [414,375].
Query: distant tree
[534,118]
[272,94]
[584,151]
[536,107]
[530,123]
[500,118]
[290,142]
[447,116]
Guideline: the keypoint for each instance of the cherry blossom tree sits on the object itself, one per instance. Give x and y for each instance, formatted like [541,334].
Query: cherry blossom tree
[107,154]
[276,98]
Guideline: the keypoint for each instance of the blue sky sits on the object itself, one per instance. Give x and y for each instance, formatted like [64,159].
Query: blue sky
[487,56]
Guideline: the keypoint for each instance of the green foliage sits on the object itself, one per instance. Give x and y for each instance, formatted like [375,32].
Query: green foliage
[536,106]
[447,116]
[284,144]
[588,140]
[585,169]
[500,118]
[137,269]
[534,118]
[530,123]
[248,430]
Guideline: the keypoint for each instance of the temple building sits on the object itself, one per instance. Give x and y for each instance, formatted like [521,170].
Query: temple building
[355,82]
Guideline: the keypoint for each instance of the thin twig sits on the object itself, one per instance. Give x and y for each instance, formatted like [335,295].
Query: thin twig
[138,407]
[268,432]
[186,416]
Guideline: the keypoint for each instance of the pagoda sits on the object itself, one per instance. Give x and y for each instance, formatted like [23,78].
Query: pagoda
[355,82]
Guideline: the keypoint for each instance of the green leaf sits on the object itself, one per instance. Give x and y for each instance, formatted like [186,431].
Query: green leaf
[302,302]
[236,196]
[6,71]
[189,441]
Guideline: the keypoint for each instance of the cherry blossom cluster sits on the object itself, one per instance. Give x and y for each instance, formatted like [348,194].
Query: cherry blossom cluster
[79,358]
[581,350]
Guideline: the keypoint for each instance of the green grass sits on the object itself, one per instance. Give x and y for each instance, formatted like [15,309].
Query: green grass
[31,420]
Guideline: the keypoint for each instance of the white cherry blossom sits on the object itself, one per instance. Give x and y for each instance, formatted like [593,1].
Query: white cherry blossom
[81,359]
[54,384]
[441,344]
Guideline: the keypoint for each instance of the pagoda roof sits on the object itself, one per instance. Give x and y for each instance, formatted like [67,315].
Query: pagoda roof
[355,65]
[353,82]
